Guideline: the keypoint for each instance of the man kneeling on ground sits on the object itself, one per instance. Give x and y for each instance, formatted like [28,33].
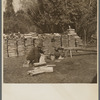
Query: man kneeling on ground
[34,54]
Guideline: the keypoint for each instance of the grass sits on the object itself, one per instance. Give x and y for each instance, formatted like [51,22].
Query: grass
[79,69]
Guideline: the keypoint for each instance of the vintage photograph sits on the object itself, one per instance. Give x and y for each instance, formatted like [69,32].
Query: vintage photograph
[50,41]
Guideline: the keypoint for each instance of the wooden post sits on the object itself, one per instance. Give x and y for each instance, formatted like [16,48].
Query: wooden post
[70,51]
[84,37]
[61,36]
[68,40]
[61,40]
[24,42]
[33,42]
[7,49]
[17,48]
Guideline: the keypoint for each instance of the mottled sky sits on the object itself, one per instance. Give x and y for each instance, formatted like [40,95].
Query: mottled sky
[16,4]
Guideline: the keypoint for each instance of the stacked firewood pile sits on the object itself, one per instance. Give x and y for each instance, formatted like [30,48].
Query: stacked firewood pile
[20,47]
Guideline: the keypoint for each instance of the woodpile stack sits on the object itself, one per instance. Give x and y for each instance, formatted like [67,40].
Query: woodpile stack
[64,40]
[57,41]
[20,47]
[5,51]
[47,45]
[29,41]
[12,48]
[71,41]
[28,45]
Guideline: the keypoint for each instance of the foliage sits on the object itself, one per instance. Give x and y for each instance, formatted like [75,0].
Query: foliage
[49,15]
[15,22]
[88,21]
[9,9]
[52,16]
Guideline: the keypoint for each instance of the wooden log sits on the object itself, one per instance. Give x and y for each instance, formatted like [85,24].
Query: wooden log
[35,72]
[12,54]
[39,64]
[45,68]
[40,70]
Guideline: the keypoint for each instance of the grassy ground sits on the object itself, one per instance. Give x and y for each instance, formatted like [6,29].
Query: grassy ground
[79,69]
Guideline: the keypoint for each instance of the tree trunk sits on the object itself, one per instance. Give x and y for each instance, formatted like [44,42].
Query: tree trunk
[61,36]
[61,40]
[84,37]
[76,26]
[89,3]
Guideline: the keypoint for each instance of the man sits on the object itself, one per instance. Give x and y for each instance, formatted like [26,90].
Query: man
[34,54]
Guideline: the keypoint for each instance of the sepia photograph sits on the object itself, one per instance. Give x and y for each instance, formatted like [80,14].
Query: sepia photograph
[50,41]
